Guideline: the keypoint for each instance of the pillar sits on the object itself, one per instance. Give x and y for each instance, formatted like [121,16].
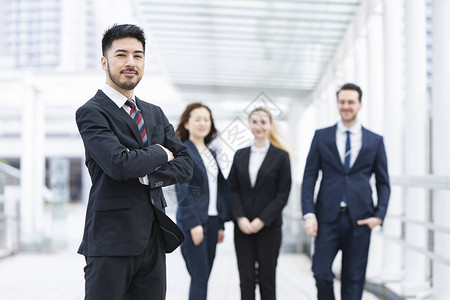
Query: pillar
[32,168]
[441,140]
[393,130]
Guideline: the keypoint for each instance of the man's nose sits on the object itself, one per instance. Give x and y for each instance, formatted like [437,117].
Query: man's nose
[130,61]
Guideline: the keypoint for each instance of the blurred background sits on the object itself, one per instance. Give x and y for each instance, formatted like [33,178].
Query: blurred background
[287,55]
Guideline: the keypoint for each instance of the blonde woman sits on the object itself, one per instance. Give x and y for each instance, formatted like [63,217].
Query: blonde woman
[260,180]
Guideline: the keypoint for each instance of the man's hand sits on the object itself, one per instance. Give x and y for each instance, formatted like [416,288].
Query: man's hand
[220,236]
[371,222]
[169,153]
[244,225]
[197,235]
[311,226]
[257,224]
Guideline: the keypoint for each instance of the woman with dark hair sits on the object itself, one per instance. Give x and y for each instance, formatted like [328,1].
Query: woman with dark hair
[260,180]
[204,202]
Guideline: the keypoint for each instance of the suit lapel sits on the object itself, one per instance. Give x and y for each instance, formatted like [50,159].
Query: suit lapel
[332,139]
[195,155]
[245,165]
[363,145]
[121,113]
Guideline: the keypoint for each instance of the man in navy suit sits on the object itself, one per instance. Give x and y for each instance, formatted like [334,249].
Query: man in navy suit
[131,152]
[344,212]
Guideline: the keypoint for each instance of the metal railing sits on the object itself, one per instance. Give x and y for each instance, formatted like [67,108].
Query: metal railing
[428,183]
[9,233]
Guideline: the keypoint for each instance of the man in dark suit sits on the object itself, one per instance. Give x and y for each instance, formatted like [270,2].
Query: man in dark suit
[344,213]
[131,152]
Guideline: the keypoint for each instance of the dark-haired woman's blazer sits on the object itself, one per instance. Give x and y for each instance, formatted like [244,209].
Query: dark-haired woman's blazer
[193,203]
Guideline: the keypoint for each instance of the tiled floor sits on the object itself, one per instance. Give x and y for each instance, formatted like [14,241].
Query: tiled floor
[59,276]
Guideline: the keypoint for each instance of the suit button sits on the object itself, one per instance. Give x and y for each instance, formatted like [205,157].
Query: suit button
[153,201]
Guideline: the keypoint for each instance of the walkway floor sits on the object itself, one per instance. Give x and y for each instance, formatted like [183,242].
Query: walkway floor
[59,276]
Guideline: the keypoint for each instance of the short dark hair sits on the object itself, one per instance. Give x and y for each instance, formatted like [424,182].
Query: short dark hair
[117,32]
[353,87]
[183,133]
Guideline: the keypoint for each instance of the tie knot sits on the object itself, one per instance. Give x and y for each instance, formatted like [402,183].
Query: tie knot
[348,133]
[130,103]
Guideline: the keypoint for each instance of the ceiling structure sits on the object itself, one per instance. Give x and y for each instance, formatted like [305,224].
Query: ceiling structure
[231,48]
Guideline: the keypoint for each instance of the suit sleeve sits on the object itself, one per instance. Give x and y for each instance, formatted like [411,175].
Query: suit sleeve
[382,182]
[275,207]
[112,157]
[233,182]
[187,196]
[312,167]
[180,169]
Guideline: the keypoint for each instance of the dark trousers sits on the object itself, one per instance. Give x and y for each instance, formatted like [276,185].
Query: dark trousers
[262,248]
[199,259]
[354,242]
[141,277]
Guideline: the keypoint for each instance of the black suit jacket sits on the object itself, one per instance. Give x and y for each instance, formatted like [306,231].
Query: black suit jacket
[193,197]
[120,213]
[324,156]
[268,197]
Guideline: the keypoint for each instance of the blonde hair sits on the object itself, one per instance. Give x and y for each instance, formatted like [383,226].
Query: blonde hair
[273,134]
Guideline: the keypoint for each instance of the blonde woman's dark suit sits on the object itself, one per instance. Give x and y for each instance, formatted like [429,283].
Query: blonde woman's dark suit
[266,201]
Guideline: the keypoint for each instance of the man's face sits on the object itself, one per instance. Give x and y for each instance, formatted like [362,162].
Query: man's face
[124,63]
[348,105]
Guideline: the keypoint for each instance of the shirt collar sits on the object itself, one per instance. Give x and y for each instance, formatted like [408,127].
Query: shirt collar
[260,150]
[353,130]
[115,95]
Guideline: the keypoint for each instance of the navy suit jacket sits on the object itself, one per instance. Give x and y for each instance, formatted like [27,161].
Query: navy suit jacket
[193,197]
[323,156]
[270,194]
[120,213]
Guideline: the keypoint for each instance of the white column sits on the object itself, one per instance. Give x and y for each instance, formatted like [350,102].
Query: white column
[375,91]
[416,145]
[32,167]
[393,111]
[441,140]
[374,104]
[361,70]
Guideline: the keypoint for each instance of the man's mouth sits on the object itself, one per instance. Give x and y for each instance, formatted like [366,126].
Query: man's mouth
[129,72]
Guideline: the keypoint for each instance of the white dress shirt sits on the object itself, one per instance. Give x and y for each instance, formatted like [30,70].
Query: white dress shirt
[257,156]
[119,99]
[355,141]
[213,172]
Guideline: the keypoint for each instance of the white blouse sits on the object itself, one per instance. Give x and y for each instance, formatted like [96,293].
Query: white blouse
[257,156]
[213,172]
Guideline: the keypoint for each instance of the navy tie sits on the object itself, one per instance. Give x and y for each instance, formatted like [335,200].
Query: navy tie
[347,161]
[137,117]
[347,153]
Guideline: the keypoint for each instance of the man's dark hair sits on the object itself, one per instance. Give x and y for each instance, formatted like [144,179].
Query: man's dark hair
[117,32]
[353,87]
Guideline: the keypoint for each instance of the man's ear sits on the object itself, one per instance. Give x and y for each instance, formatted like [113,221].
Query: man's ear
[104,63]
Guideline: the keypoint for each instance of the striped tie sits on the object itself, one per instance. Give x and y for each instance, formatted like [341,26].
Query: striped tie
[137,117]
